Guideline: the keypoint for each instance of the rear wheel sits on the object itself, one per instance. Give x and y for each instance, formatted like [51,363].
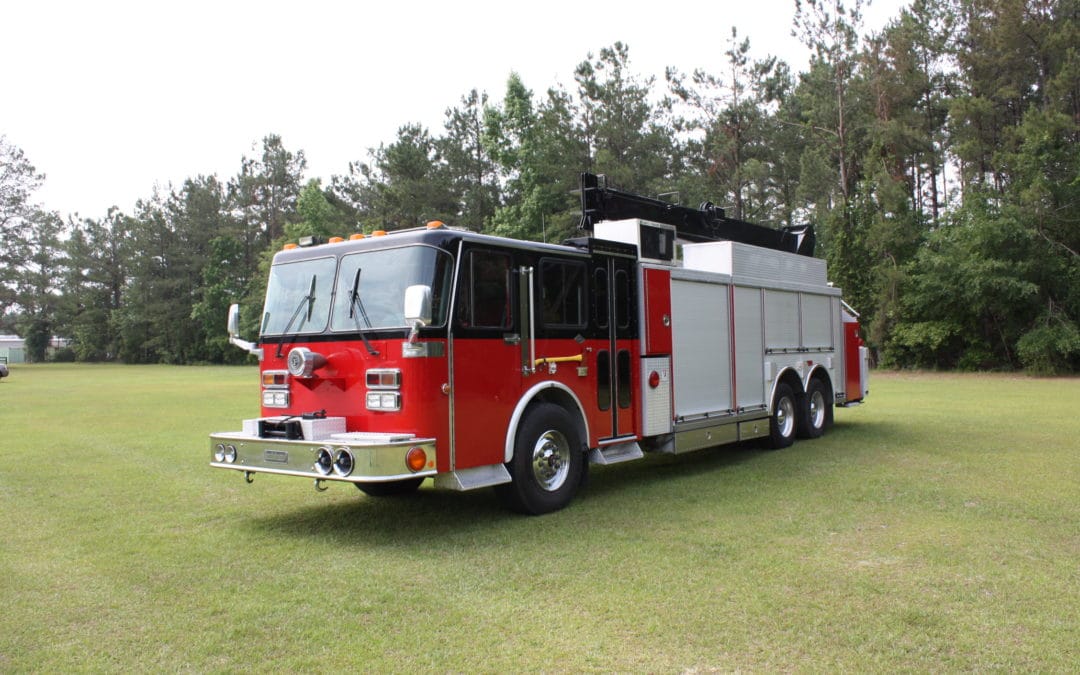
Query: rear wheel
[783,422]
[390,488]
[817,410]
[548,465]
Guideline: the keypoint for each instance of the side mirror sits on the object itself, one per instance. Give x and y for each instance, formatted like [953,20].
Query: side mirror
[234,333]
[234,321]
[418,305]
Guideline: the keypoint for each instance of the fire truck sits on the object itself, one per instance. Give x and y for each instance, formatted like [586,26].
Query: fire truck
[481,361]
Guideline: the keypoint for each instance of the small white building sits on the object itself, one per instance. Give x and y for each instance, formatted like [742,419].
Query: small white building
[12,349]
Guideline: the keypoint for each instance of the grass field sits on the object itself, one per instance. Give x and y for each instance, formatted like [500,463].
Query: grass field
[935,528]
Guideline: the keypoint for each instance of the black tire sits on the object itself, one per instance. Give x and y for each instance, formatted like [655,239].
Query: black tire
[816,410]
[784,419]
[390,488]
[548,466]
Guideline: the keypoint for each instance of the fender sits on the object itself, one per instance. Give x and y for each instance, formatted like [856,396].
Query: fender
[810,375]
[776,382]
[526,399]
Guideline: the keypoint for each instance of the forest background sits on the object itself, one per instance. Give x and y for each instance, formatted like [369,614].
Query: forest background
[938,160]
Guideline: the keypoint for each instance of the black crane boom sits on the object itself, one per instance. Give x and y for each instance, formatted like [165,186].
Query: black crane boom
[707,223]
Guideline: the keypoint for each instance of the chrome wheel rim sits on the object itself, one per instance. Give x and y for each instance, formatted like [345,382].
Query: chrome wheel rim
[817,409]
[551,460]
[785,416]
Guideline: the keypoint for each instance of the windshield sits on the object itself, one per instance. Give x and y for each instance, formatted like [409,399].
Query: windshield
[287,297]
[384,276]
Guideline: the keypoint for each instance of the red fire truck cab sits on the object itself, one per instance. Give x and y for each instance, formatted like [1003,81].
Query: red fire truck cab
[484,361]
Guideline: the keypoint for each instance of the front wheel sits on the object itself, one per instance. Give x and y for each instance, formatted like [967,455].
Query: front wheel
[783,421]
[548,465]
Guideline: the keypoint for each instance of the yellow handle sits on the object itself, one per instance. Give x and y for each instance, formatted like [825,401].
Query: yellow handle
[558,359]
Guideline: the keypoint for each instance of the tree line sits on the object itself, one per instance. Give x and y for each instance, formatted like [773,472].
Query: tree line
[938,159]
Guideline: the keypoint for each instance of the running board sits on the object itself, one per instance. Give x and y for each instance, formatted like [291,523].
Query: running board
[471,479]
[613,454]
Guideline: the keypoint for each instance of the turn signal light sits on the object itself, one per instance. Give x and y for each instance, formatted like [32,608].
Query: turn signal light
[383,378]
[273,378]
[416,459]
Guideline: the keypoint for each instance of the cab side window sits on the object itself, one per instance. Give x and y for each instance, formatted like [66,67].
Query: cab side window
[562,289]
[484,291]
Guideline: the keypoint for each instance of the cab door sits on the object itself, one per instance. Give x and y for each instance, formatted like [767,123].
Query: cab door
[615,315]
[486,356]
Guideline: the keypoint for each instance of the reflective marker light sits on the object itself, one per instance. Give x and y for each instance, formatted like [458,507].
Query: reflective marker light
[416,459]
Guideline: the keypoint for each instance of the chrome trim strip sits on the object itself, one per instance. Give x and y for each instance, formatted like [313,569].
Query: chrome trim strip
[616,439]
[451,430]
[415,350]
[720,419]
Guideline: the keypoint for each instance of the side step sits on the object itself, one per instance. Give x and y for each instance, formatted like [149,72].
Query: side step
[471,479]
[613,454]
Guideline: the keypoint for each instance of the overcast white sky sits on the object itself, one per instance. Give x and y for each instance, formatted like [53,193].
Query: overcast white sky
[111,98]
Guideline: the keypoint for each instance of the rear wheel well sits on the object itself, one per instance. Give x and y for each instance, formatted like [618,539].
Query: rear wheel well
[791,379]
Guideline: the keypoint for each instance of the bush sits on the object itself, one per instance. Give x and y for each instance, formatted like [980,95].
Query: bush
[63,355]
[923,344]
[1051,349]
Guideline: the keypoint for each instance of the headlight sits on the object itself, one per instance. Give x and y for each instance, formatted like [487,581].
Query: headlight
[230,453]
[383,401]
[274,398]
[219,452]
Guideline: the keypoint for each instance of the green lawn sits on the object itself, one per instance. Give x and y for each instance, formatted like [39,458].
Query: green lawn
[935,528]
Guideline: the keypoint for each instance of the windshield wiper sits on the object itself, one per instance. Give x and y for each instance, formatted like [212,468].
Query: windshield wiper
[310,300]
[356,303]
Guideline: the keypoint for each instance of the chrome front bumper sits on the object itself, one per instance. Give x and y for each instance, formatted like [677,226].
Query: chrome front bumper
[377,457]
